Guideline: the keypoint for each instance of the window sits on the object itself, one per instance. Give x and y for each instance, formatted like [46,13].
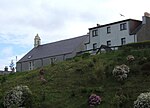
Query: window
[108,30]
[108,43]
[123,26]
[31,65]
[94,46]
[29,56]
[52,60]
[95,33]
[123,41]
[38,42]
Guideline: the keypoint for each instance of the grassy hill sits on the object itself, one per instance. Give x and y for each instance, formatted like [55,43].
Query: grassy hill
[70,83]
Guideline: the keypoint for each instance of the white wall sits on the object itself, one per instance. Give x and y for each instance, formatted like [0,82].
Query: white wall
[115,36]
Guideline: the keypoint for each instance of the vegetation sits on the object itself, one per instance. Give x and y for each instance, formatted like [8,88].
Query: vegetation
[139,45]
[143,101]
[19,96]
[69,84]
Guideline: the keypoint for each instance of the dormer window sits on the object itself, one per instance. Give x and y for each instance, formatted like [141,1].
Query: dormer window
[29,56]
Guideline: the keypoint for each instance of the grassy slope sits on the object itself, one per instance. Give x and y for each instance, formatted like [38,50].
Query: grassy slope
[71,82]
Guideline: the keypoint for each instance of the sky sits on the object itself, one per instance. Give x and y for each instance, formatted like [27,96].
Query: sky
[54,20]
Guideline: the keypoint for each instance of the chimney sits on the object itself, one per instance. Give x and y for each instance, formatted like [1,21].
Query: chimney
[37,41]
[98,25]
[146,14]
[6,69]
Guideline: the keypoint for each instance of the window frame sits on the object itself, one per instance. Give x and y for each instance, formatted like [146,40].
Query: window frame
[52,60]
[94,33]
[123,41]
[94,46]
[108,30]
[123,26]
[109,43]
[31,65]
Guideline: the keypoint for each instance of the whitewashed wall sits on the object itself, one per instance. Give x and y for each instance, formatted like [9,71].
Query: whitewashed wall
[115,36]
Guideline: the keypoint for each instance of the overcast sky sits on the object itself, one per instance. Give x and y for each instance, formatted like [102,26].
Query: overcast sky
[55,20]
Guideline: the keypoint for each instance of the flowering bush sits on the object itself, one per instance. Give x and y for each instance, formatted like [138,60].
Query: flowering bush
[94,100]
[19,96]
[120,72]
[119,100]
[130,58]
[143,101]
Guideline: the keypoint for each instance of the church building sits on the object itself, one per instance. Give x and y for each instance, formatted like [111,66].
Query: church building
[43,55]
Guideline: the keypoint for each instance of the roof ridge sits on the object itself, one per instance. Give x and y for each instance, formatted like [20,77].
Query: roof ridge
[63,40]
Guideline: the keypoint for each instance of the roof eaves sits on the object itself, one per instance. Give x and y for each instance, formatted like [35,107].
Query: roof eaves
[112,23]
[137,29]
[44,57]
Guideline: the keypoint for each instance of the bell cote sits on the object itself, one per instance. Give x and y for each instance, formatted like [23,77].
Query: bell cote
[37,41]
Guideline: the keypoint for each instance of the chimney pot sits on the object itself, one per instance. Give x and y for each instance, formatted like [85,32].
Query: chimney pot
[98,25]
[6,68]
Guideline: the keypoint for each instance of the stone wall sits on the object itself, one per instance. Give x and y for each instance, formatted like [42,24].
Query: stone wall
[144,33]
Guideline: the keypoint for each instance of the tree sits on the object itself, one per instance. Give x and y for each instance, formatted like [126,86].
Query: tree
[12,66]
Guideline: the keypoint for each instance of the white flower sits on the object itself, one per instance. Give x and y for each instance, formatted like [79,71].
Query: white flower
[143,101]
[16,97]
[121,71]
[130,58]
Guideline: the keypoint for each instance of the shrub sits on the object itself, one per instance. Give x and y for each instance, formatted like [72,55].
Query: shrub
[91,64]
[72,93]
[108,70]
[79,71]
[87,90]
[85,55]
[94,59]
[3,79]
[19,96]
[99,71]
[143,101]
[119,59]
[145,68]
[130,58]
[126,50]
[120,72]
[142,60]
[77,59]
[119,100]
[94,100]
[92,89]
[134,69]
[138,45]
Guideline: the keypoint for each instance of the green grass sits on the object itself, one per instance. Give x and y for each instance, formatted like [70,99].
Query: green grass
[70,83]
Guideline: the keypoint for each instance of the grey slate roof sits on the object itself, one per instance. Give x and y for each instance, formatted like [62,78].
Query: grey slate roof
[137,29]
[53,49]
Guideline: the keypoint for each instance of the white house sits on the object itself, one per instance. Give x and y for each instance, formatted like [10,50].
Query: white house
[119,33]
[113,34]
